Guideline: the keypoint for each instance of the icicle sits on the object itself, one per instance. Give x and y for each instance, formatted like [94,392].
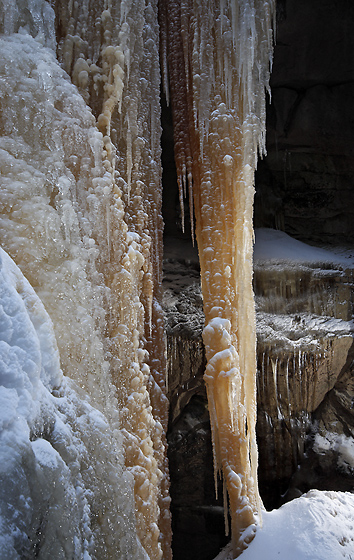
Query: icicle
[163,49]
[219,127]
[226,508]
[288,395]
[275,381]
[129,157]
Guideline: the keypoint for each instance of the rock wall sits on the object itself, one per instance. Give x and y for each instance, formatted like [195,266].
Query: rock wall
[304,336]
[304,185]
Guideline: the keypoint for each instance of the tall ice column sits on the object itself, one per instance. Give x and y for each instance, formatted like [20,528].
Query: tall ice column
[218,58]
[111,50]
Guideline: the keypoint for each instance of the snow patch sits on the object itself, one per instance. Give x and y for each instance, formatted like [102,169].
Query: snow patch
[317,526]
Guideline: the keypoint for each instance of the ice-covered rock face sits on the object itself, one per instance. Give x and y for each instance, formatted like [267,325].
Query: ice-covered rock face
[57,452]
[67,194]
[48,149]
[35,17]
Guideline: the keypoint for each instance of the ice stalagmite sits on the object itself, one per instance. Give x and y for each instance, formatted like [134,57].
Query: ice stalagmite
[217,55]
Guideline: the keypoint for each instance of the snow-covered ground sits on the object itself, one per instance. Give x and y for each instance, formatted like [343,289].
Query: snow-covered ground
[317,526]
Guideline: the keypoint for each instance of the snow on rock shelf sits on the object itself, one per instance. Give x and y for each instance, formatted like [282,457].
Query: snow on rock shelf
[276,245]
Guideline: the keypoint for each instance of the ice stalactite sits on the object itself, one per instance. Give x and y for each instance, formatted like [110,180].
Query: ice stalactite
[218,58]
[81,215]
